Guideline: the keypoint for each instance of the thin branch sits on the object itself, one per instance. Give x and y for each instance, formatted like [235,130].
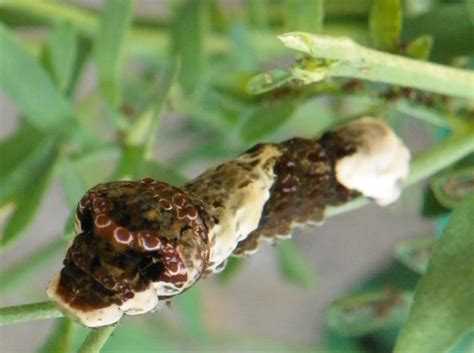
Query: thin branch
[96,339]
[28,312]
[349,59]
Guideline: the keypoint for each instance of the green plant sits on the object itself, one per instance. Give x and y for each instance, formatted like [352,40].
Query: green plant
[204,62]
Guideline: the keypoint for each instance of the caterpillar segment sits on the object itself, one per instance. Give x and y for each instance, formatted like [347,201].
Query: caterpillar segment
[141,242]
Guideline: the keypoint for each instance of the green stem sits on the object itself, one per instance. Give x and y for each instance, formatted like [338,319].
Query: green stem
[28,312]
[353,60]
[96,339]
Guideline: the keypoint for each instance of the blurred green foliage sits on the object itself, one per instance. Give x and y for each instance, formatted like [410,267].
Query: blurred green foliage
[202,61]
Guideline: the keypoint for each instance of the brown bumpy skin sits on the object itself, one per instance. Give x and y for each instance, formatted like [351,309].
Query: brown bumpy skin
[139,242]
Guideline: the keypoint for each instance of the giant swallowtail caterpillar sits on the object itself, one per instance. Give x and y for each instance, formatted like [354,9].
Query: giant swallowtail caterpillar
[142,242]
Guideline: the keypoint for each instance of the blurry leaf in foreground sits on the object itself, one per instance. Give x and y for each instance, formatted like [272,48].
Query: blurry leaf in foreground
[304,15]
[23,157]
[61,52]
[140,136]
[20,274]
[293,266]
[385,23]
[416,253]
[188,37]
[267,118]
[232,267]
[191,308]
[420,48]
[431,206]
[442,311]
[470,9]
[115,21]
[26,83]
[361,314]
[73,184]
[60,339]
[464,345]
[454,187]
[29,197]
[268,81]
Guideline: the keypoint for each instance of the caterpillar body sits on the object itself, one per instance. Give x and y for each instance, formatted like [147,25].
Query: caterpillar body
[139,243]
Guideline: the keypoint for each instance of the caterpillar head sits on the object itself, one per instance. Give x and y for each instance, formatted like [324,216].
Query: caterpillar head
[136,243]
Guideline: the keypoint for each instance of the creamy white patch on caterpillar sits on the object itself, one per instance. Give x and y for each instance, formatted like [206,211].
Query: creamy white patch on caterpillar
[243,206]
[380,164]
[94,318]
[141,302]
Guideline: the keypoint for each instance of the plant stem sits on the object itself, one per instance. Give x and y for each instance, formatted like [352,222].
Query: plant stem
[354,60]
[96,339]
[28,312]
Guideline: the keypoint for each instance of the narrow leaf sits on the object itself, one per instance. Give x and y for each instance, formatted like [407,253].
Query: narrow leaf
[29,200]
[26,83]
[293,266]
[420,48]
[470,9]
[442,311]
[232,267]
[191,308]
[115,22]
[416,253]
[454,187]
[268,81]
[304,15]
[27,167]
[60,339]
[265,119]
[363,313]
[385,23]
[73,184]
[61,52]
[188,42]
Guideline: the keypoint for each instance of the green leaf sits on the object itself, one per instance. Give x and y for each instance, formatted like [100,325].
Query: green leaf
[61,52]
[60,339]
[83,49]
[304,15]
[29,198]
[257,11]
[420,48]
[191,308]
[188,42]
[159,171]
[73,184]
[442,311]
[23,165]
[361,314]
[266,118]
[12,277]
[453,188]
[268,81]
[245,55]
[232,267]
[109,44]
[143,130]
[470,9]
[416,253]
[385,23]
[26,83]
[293,266]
